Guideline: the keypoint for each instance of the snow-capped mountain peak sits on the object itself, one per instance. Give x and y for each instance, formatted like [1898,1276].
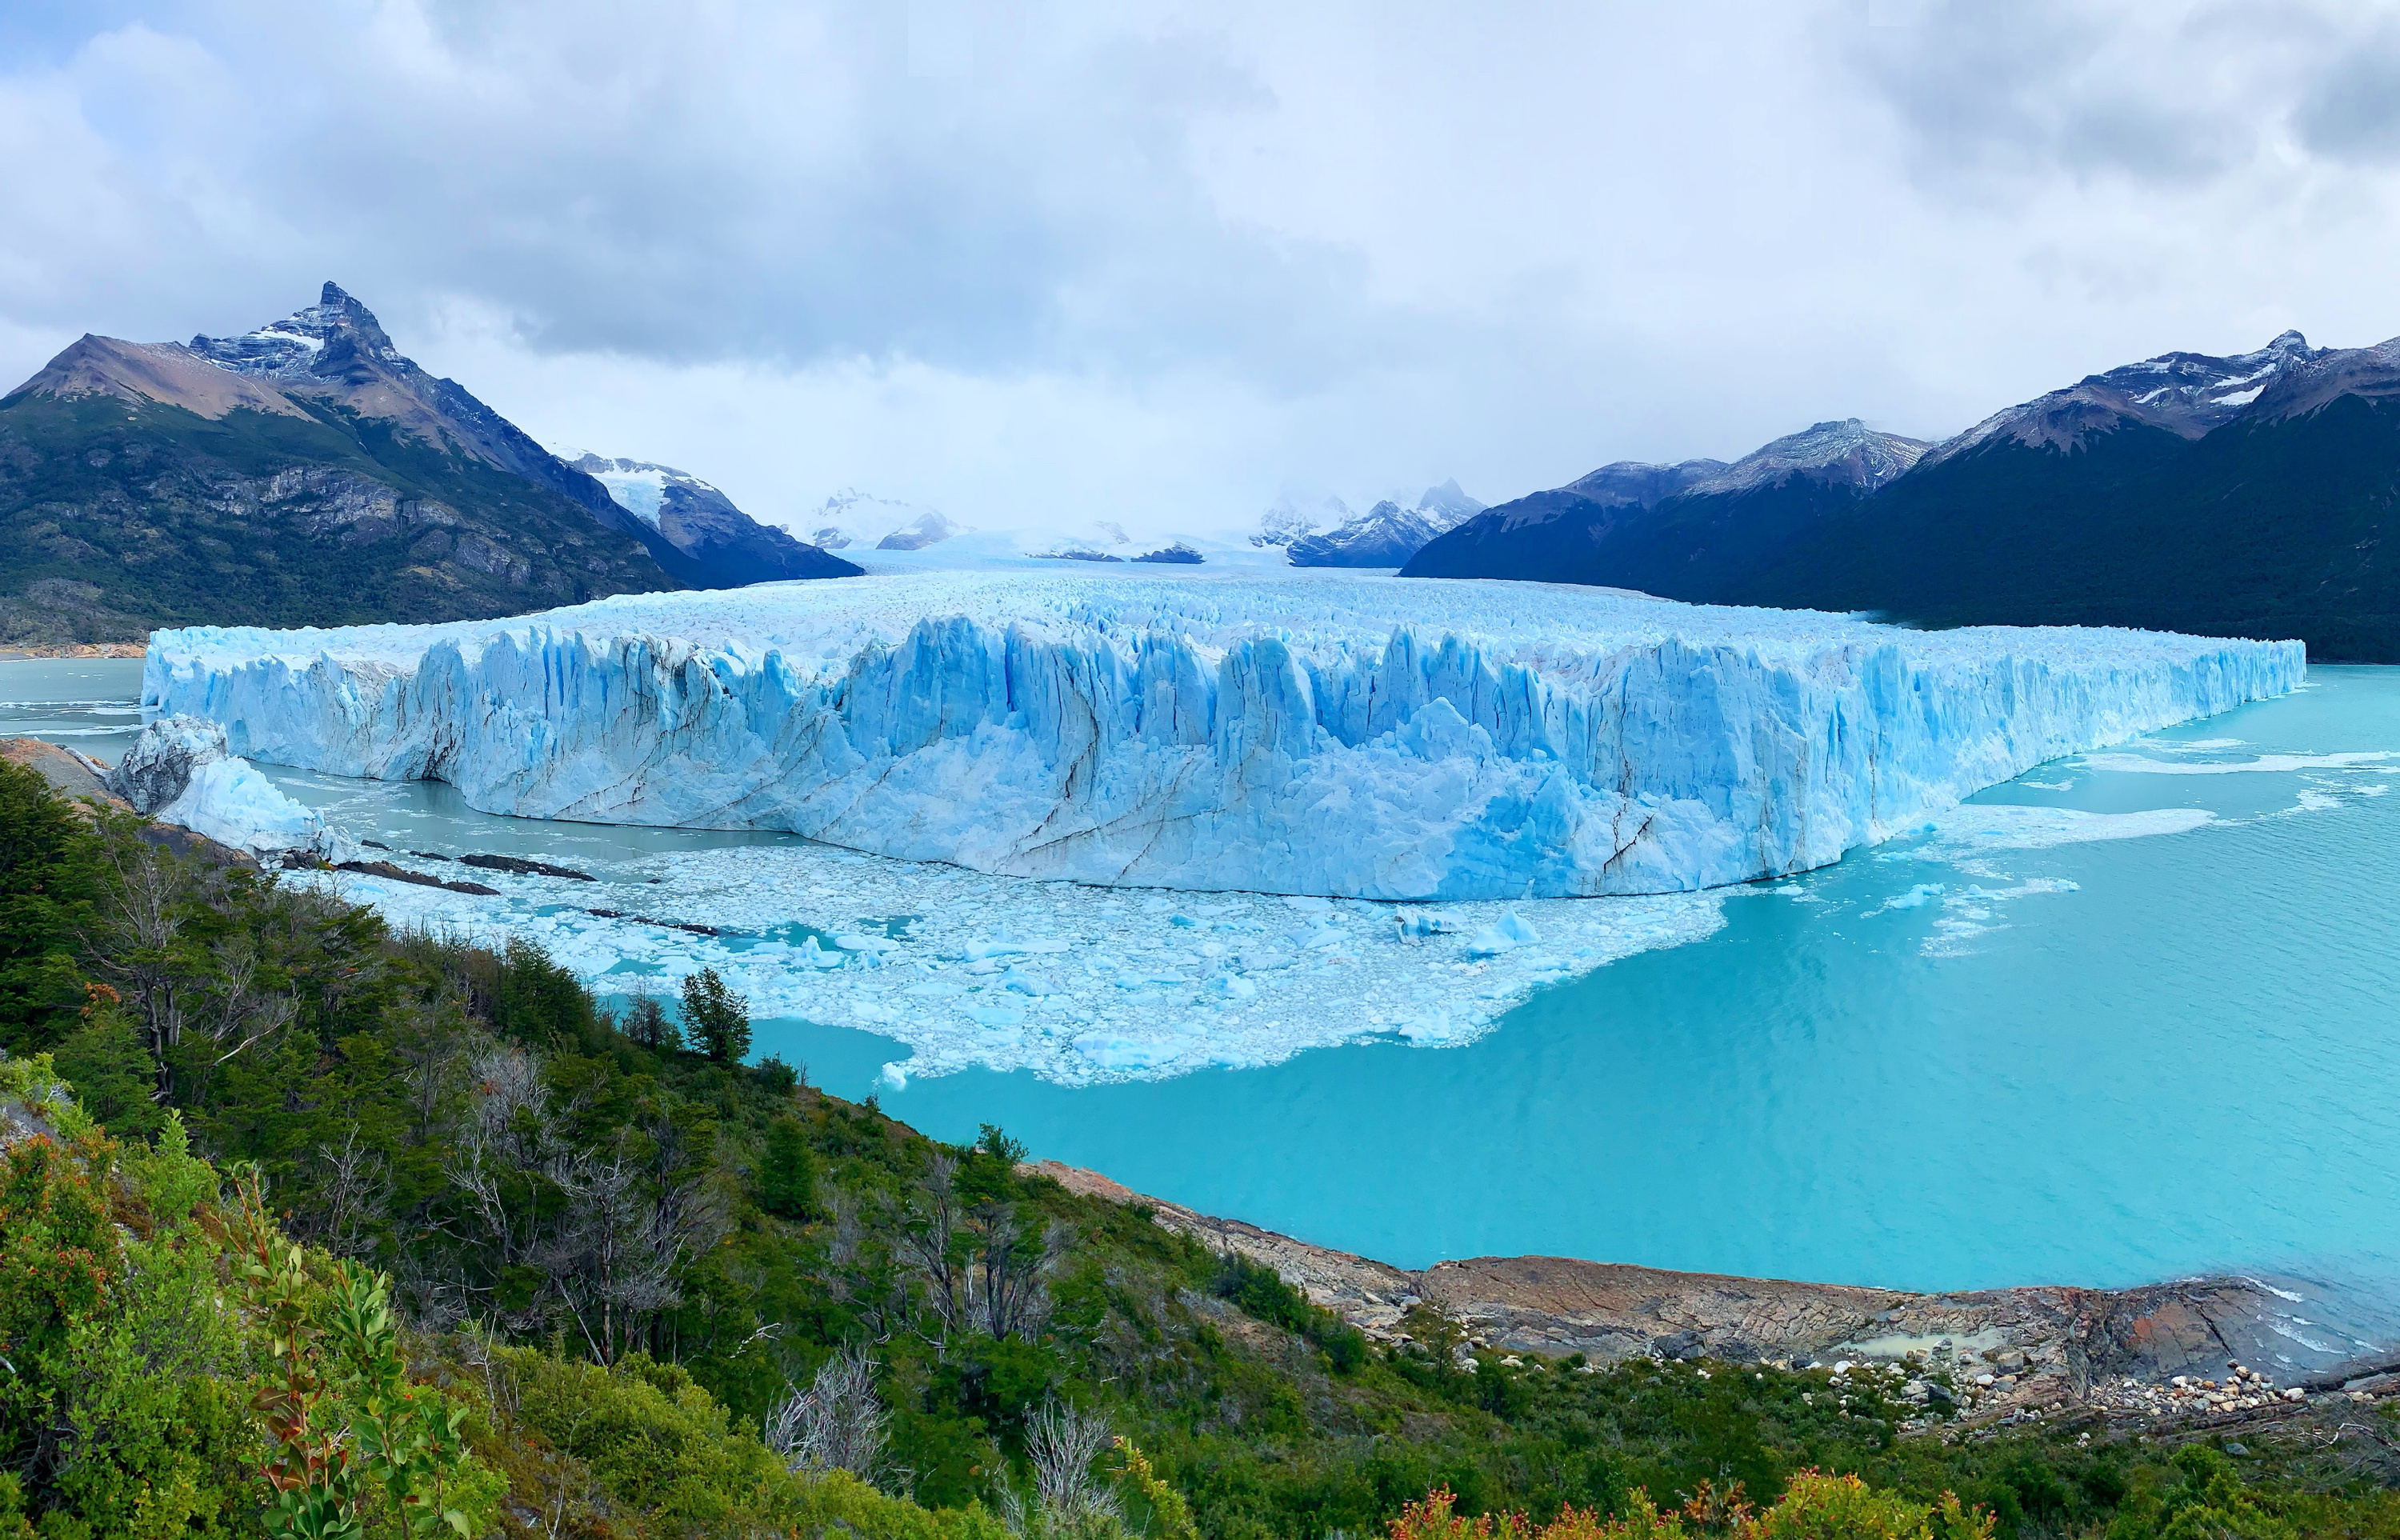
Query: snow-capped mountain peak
[2188,395]
[1636,484]
[1845,451]
[295,346]
[1447,506]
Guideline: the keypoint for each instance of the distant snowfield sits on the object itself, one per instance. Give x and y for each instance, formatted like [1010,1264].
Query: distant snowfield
[1313,733]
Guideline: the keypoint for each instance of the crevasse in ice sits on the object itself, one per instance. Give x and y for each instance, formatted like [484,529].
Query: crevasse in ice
[1349,735]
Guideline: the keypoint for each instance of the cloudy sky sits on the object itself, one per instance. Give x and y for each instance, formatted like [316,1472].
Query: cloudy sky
[1037,262]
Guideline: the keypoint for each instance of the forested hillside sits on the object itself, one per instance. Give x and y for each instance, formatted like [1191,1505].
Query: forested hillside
[308,1226]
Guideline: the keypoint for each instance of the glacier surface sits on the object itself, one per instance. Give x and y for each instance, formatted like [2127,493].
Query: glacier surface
[1341,735]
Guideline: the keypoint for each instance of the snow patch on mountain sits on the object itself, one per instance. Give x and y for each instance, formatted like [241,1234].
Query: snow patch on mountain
[638,485]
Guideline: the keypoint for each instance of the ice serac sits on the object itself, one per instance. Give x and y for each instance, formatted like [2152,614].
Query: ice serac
[1332,734]
[178,773]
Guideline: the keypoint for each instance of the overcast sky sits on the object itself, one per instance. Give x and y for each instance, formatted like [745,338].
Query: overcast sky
[1155,261]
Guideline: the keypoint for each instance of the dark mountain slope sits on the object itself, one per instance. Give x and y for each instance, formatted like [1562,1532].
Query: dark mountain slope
[2268,529]
[1684,531]
[2248,495]
[1995,516]
[116,517]
[304,474]
[337,349]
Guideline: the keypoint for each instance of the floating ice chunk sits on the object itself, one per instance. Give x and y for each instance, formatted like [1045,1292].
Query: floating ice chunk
[1024,984]
[937,989]
[866,944]
[1434,1028]
[1515,926]
[1914,898]
[1489,942]
[1419,921]
[2140,765]
[1263,960]
[994,1015]
[894,1077]
[1233,987]
[978,950]
[1975,828]
[1110,1051]
[814,956]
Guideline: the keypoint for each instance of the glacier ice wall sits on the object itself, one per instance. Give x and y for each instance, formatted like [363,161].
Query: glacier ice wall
[1345,735]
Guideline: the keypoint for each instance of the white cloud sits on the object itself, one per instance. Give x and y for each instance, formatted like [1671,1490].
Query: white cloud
[1151,260]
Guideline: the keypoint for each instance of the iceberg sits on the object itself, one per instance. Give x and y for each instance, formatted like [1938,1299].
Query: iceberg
[1345,735]
[178,772]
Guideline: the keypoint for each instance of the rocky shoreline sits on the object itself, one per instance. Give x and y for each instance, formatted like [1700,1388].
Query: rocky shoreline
[2213,1349]
[74,649]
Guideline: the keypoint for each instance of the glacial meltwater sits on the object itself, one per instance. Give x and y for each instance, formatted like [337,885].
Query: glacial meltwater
[2142,1020]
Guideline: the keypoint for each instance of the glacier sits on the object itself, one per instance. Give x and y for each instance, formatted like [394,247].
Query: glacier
[1340,735]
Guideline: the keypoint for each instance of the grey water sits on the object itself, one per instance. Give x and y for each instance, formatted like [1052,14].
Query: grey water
[2102,1063]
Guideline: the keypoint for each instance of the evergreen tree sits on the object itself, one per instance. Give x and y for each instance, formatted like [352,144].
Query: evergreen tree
[787,1174]
[717,1018]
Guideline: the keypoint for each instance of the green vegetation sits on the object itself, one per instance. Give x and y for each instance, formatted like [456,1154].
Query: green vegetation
[387,1228]
[116,519]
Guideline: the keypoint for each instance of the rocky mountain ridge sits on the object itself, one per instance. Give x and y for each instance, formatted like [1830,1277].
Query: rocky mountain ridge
[2188,395]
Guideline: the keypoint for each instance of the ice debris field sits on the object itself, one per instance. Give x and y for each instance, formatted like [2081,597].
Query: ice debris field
[1344,736]
[1080,984]
[1077,984]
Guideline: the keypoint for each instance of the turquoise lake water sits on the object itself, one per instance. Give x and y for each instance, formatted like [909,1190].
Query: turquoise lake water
[2103,1062]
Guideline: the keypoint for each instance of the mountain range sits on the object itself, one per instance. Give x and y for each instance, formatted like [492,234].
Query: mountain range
[309,473]
[1386,535]
[2224,496]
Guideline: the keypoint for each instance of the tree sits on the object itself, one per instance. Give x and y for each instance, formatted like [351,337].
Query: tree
[49,875]
[717,1018]
[787,1174]
[648,1023]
